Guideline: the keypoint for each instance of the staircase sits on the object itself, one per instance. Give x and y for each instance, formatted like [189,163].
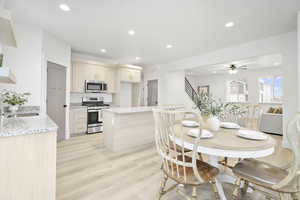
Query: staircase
[191,91]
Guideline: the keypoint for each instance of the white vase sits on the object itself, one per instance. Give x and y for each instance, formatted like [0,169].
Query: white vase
[213,123]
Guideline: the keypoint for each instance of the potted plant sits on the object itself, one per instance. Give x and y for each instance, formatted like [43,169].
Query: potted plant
[210,110]
[14,99]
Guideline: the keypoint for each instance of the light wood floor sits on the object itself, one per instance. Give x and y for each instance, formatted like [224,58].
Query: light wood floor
[87,171]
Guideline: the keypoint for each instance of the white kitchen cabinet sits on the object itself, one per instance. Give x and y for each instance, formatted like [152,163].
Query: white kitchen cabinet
[136,76]
[130,75]
[125,75]
[79,75]
[110,79]
[85,71]
[78,120]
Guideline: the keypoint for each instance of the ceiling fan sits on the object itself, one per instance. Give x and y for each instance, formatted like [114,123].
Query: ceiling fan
[233,69]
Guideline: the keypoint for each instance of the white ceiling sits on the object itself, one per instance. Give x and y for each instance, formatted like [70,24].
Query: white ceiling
[255,63]
[191,26]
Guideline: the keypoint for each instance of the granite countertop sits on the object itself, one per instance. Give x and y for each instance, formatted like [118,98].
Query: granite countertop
[27,126]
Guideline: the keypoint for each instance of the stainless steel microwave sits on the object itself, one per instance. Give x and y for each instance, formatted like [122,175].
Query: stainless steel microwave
[93,86]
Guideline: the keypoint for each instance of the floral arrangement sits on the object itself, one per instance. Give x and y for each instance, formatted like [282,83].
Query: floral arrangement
[208,106]
[14,98]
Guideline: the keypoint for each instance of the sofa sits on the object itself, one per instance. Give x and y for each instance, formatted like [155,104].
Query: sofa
[271,123]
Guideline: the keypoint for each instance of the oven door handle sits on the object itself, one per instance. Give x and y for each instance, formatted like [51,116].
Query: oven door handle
[93,110]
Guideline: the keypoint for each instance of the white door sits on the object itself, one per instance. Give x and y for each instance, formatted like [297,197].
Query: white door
[152,92]
[56,96]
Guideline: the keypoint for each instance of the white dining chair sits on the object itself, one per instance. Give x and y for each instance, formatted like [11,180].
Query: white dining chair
[253,117]
[182,167]
[283,181]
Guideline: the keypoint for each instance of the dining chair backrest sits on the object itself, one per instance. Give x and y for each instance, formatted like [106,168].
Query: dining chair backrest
[170,144]
[230,116]
[293,139]
[253,116]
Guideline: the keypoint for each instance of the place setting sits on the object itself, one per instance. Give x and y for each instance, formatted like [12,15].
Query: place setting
[195,131]
[244,133]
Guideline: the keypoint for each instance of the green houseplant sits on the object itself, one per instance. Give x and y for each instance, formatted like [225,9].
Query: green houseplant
[14,99]
[214,110]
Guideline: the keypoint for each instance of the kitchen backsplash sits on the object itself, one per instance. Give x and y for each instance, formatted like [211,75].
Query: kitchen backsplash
[77,97]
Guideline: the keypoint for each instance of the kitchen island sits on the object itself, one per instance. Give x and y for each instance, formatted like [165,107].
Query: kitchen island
[28,158]
[129,128]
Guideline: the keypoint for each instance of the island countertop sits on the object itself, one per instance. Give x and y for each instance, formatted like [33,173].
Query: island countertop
[27,126]
[128,110]
[139,109]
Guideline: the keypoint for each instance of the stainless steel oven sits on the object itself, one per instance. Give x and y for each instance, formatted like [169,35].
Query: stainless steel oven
[93,86]
[95,117]
[94,120]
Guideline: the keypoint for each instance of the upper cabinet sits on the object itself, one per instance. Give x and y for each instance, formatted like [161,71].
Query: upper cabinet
[7,34]
[130,75]
[111,78]
[111,75]
[84,71]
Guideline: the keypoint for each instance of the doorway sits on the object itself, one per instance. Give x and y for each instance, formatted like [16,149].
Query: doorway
[152,86]
[56,96]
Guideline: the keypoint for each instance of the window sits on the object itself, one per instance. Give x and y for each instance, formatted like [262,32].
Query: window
[270,89]
[237,91]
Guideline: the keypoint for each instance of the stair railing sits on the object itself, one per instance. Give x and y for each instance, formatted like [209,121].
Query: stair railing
[191,91]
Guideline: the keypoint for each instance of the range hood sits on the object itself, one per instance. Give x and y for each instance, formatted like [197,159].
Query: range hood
[7,34]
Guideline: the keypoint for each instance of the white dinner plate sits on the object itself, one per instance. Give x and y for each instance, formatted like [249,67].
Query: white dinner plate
[189,123]
[230,125]
[252,135]
[205,133]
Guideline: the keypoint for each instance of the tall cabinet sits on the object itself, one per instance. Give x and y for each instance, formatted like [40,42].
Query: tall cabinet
[127,74]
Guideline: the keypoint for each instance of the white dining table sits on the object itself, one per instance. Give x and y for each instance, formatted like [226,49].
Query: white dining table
[225,143]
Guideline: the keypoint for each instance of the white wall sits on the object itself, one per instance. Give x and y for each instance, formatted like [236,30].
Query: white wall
[29,61]
[285,44]
[218,82]
[25,62]
[59,52]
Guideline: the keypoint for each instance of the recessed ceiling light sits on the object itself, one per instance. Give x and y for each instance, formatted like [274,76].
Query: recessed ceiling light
[169,46]
[229,24]
[131,32]
[103,50]
[138,58]
[64,7]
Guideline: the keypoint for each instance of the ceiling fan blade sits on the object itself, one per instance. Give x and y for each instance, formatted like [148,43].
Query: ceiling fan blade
[243,67]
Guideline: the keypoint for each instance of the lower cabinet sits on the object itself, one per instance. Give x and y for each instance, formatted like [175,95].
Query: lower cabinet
[28,167]
[78,121]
